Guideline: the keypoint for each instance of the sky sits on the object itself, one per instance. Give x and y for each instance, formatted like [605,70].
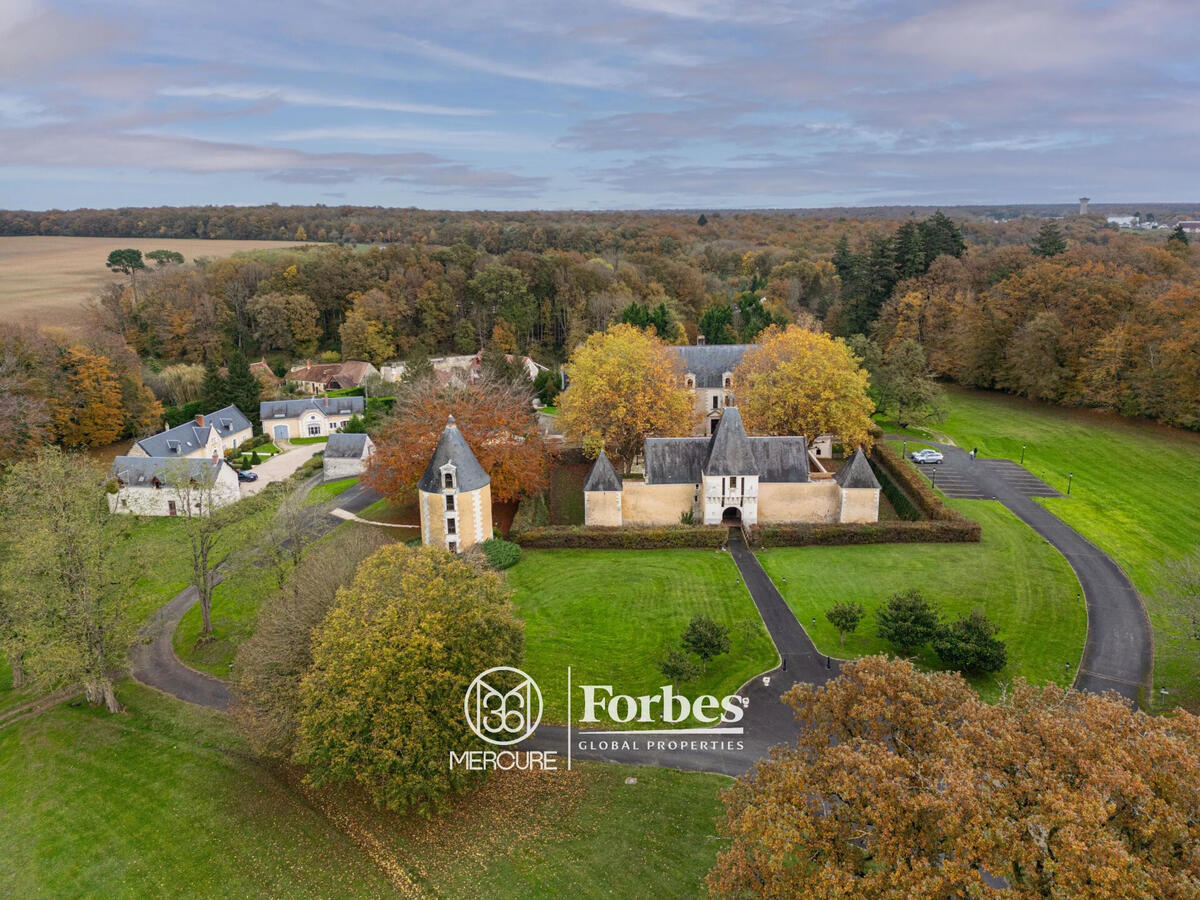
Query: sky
[601,104]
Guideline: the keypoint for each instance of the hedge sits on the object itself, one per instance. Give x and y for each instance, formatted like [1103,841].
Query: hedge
[577,537]
[900,501]
[958,531]
[913,485]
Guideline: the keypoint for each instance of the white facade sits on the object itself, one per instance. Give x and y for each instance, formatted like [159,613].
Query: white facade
[158,498]
[738,492]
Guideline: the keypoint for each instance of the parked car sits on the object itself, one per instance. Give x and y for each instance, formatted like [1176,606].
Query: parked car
[247,476]
[920,457]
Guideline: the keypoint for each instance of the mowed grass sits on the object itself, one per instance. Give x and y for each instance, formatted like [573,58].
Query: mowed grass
[159,802]
[48,278]
[612,614]
[1135,494]
[1022,583]
[325,492]
[164,801]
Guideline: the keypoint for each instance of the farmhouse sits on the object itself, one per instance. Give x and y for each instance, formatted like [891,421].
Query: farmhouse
[730,478]
[209,436]
[314,417]
[455,495]
[149,486]
[315,379]
[347,455]
[459,370]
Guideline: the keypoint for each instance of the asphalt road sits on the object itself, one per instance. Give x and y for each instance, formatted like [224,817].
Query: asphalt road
[1118,654]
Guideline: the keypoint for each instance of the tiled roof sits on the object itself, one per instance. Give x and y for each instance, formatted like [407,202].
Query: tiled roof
[687,460]
[602,477]
[710,362]
[190,437]
[452,449]
[347,446]
[329,406]
[141,471]
[857,473]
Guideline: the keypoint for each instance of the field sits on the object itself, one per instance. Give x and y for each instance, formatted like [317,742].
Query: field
[48,278]
[1019,581]
[1135,494]
[164,800]
[612,614]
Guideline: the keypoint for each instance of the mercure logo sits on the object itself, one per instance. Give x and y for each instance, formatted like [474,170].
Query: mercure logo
[503,706]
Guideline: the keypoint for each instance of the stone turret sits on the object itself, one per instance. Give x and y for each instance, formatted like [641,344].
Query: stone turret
[455,495]
[860,490]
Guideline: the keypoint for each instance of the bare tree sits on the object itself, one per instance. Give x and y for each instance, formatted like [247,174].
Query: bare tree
[194,485]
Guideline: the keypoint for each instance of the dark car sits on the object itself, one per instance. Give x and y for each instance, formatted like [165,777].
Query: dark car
[247,476]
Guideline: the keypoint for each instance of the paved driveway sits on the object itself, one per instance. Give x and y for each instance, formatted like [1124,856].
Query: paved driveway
[280,466]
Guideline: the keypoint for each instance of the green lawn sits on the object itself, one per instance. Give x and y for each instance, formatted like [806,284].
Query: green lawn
[1022,583]
[1135,495]
[326,491]
[612,614]
[164,801]
[309,440]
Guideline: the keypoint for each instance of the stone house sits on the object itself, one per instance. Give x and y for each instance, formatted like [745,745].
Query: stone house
[312,417]
[347,455]
[316,379]
[209,436]
[730,478]
[459,370]
[147,485]
[454,495]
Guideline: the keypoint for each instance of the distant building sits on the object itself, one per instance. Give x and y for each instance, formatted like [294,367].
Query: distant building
[347,455]
[314,417]
[316,379]
[1190,227]
[265,374]
[210,435]
[459,370]
[454,495]
[148,486]
[1083,204]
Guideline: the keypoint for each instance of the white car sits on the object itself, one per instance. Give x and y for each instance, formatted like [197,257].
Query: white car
[921,457]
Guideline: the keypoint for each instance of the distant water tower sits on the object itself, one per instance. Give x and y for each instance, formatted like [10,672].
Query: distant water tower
[1083,202]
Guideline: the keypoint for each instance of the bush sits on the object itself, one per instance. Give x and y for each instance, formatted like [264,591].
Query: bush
[255,459]
[949,531]
[969,644]
[907,621]
[245,464]
[500,553]
[557,537]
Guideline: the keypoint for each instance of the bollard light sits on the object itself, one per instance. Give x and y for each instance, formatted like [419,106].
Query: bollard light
[1070,478]
[1022,454]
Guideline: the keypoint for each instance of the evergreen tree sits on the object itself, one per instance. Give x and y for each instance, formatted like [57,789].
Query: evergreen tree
[702,221]
[636,315]
[1049,241]
[1178,235]
[214,392]
[941,236]
[717,325]
[242,388]
[910,251]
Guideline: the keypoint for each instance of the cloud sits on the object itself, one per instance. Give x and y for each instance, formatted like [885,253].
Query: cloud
[493,141]
[300,97]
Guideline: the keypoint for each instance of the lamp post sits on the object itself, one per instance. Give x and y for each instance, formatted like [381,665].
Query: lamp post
[1022,454]
[1070,478]
[903,448]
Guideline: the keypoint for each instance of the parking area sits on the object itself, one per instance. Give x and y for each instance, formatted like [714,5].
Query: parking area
[1018,477]
[279,467]
[962,478]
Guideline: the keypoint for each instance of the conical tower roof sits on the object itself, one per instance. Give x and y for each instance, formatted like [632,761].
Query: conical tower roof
[729,451]
[452,449]
[857,473]
[602,477]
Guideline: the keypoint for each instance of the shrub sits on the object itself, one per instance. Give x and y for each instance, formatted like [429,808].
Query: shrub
[678,666]
[907,620]
[245,464]
[950,531]
[557,537]
[500,553]
[844,616]
[969,644]
[913,484]
[687,518]
[706,638]
[255,459]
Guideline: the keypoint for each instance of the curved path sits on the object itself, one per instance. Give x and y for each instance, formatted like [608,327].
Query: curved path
[1118,654]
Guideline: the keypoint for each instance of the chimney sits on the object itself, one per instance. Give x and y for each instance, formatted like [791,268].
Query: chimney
[699,340]
[200,419]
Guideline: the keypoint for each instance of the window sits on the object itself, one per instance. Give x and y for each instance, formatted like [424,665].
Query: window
[452,526]
[171,508]
[452,546]
[728,382]
[716,401]
[314,430]
[448,480]
[449,502]
[689,383]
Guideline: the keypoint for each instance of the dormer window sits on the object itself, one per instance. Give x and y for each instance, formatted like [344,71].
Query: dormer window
[689,382]
[448,481]
[728,382]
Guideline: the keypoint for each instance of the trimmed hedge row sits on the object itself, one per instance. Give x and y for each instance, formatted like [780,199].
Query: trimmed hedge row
[912,484]
[577,537]
[900,501]
[923,532]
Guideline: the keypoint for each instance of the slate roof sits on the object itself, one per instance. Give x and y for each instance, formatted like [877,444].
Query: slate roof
[602,477]
[687,460]
[189,437]
[347,446]
[452,448]
[346,374]
[857,473]
[140,471]
[329,406]
[710,362]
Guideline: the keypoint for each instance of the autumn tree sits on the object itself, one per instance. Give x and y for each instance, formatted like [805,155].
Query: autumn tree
[624,385]
[364,338]
[127,262]
[905,388]
[497,419]
[289,322]
[799,382]
[66,578]
[272,661]
[88,408]
[905,784]
[382,705]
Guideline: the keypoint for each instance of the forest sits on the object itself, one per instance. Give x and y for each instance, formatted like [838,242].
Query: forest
[1068,310]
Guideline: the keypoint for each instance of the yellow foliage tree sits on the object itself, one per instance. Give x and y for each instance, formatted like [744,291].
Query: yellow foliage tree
[89,412]
[799,382]
[624,385]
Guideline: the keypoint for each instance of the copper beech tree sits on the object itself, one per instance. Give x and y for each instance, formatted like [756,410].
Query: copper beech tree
[796,381]
[624,385]
[906,784]
[497,419]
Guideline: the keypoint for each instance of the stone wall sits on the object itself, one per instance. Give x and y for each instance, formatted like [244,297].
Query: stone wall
[602,508]
[860,505]
[655,504]
[813,501]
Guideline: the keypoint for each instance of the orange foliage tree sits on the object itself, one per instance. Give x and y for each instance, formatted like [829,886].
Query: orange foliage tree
[797,381]
[906,784]
[497,419]
[89,411]
[624,385]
